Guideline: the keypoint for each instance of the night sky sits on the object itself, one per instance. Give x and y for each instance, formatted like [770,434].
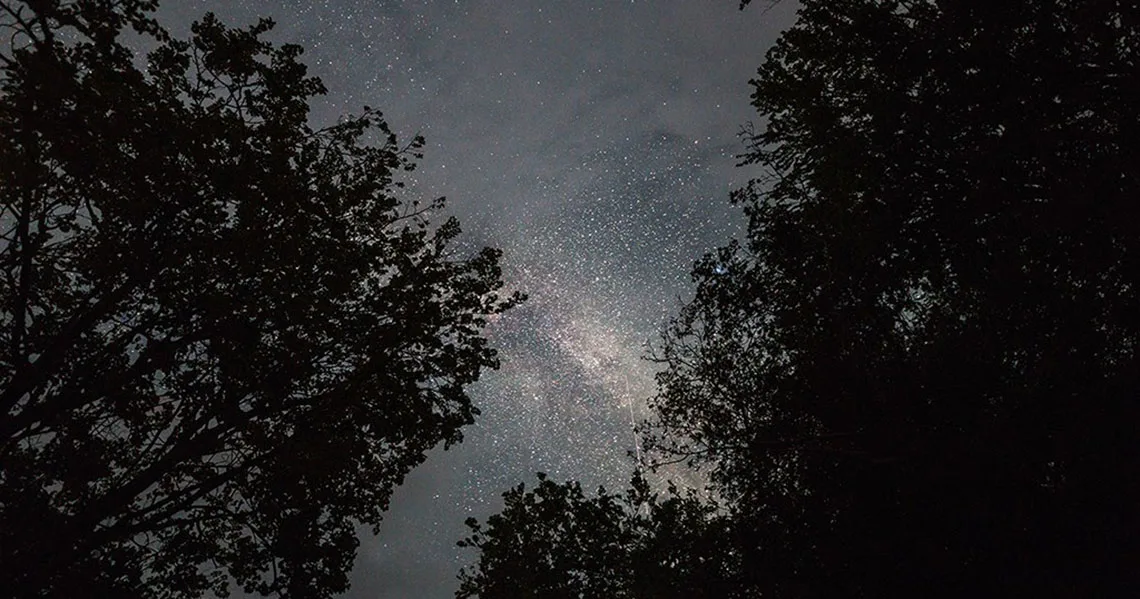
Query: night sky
[595,143]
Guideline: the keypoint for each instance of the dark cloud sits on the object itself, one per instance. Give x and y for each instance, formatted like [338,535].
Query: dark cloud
[594,143]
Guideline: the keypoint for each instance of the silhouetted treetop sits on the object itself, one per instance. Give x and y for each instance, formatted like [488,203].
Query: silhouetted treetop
[918,373]
[556,541]
[224,337]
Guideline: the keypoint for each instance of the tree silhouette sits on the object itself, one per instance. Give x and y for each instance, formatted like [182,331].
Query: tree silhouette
[224,339]
[554,541]
[918,374]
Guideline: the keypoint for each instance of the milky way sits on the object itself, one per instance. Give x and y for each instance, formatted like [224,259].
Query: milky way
[594,143]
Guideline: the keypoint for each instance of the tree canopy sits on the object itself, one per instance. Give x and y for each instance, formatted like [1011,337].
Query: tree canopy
[224,338]
[555,541]
[917,374]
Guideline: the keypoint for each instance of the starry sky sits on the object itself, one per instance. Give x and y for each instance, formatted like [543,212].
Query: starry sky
[595,143]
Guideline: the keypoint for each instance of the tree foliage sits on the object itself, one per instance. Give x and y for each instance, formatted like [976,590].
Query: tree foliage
[224,339]
[555,541]
[918,373]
